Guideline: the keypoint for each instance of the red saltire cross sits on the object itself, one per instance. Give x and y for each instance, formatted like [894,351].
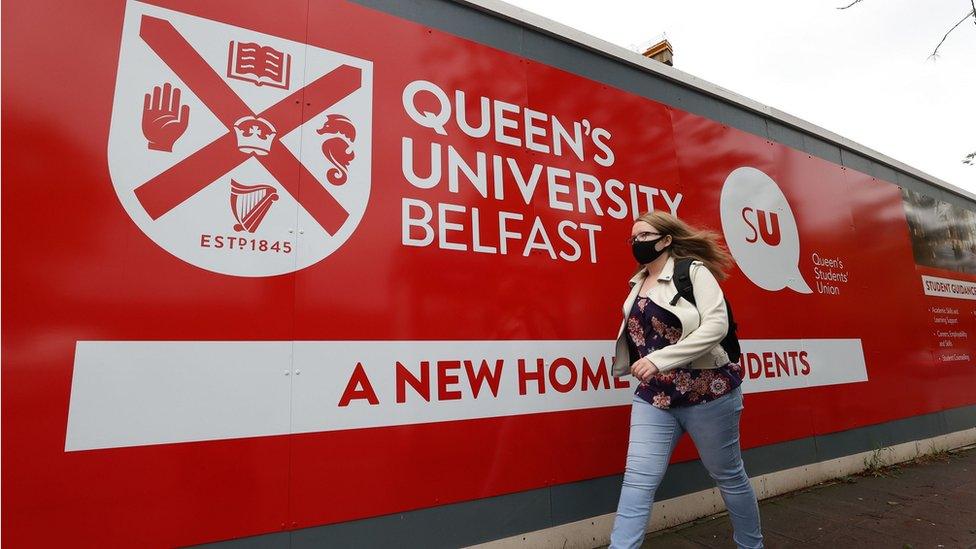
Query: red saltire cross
[171,188]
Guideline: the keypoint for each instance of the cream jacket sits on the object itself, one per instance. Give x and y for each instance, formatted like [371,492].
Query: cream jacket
[702,327]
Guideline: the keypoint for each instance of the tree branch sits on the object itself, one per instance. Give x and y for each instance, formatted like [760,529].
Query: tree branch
[967,16]
[849,5]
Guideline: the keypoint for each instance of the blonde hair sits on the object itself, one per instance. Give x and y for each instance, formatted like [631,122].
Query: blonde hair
[688,241]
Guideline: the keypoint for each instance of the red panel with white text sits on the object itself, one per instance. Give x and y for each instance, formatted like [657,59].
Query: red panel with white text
[265,271]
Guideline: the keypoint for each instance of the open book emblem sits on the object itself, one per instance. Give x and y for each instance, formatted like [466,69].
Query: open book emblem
[262,65]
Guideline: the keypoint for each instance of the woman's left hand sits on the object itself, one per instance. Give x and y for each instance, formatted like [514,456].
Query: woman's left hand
[643,369]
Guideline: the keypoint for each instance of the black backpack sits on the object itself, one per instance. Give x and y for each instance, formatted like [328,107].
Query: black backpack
[682,280]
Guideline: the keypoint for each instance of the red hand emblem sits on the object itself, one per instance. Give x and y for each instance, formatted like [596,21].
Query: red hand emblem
[163,119]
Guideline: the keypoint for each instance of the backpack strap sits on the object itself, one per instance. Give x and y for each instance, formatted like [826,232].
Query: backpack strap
[682,280]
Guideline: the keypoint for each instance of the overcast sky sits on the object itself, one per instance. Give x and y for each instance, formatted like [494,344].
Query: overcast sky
[862,73]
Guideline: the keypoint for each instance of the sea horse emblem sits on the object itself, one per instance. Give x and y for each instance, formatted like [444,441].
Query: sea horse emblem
[338,147]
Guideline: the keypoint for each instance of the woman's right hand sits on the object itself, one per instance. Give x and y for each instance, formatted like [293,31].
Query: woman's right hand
[643,369]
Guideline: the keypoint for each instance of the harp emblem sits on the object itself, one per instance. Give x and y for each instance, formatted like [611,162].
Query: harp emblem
[250,203]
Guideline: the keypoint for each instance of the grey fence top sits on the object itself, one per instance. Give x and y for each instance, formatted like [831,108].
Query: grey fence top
[579,39]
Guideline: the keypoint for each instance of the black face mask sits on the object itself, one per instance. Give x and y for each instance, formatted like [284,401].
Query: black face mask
[644,252]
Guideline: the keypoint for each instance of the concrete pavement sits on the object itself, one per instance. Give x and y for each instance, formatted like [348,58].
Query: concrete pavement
[928,502]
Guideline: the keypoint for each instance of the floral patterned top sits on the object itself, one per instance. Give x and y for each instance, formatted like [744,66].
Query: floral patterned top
[651,327]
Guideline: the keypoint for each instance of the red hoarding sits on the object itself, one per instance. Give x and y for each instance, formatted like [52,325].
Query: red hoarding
[270,266]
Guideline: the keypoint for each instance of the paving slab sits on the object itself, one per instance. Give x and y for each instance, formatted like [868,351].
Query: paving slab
[927,503]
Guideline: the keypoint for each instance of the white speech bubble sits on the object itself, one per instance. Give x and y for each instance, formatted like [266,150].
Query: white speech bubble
[760,231]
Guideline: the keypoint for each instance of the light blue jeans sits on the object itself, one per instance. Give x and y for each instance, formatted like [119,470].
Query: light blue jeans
[714,427]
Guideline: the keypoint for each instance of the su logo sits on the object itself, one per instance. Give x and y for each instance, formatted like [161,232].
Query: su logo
[761,231]
[767,224]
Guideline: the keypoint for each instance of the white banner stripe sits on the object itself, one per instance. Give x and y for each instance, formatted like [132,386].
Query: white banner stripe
[948,287]
[134,393]
[780,364]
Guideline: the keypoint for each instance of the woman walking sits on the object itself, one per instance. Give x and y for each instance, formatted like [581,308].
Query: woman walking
[687,383]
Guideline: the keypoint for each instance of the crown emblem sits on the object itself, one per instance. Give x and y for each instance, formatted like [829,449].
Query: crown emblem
[254,135]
